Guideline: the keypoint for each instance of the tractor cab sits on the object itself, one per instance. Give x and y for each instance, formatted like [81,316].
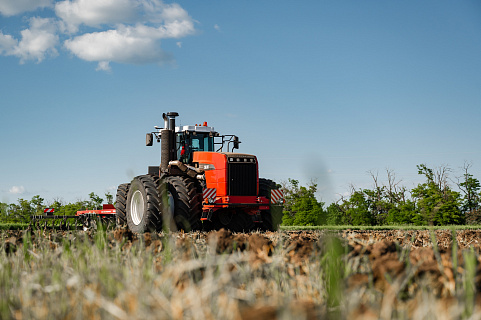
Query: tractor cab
[189,139]
[179,143]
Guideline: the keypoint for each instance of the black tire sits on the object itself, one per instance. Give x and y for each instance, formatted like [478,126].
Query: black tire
[265,187]
[143,209]
[270,218]
[242,222]
[235,220]
[181,198]
[121,203]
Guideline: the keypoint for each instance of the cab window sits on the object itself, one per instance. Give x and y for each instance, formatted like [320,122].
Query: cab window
[186,144]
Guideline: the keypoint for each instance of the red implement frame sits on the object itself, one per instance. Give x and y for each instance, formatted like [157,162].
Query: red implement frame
[108,210]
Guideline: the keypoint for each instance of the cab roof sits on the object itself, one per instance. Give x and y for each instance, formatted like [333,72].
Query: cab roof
[200,129]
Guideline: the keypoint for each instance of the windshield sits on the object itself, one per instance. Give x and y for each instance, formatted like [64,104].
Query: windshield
[188,143]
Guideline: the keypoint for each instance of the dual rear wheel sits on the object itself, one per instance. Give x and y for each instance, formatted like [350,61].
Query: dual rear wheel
[149,203]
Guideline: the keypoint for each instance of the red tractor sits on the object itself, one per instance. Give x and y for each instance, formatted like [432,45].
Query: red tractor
[199,185]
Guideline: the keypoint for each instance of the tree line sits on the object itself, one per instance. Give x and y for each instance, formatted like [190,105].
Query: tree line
[23,209]
[434,202]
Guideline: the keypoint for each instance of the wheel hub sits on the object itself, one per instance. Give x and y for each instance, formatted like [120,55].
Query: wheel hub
[137,207]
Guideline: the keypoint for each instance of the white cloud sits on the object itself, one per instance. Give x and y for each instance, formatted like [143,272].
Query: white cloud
[125,45]
[103,66]
[172,12]
[36,42]
[132,44]
[129,31]
[95,13]
[13,7]
[16,190]
[216,27]
[7,43]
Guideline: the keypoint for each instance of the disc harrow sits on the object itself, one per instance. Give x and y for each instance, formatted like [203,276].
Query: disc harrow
[84,220]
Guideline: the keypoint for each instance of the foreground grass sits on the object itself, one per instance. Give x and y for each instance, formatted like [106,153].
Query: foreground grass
[93,276]
[80,275]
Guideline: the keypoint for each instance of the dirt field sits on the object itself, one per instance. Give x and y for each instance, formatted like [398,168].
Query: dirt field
[222,275]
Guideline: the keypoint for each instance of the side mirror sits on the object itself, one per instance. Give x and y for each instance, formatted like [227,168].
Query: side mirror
[236,142]
[149,139]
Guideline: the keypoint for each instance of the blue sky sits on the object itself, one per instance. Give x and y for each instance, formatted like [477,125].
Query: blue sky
[324,90]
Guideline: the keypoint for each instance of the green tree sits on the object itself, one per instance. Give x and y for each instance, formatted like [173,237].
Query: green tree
[3,211]
[109,198]
[377,205]
[470,186]
[37,204]
[57,205]
[95,201]
[402,213]
[301,207]
[20,212]
[387,200]
[335,215]
[70,209]
[437,203]
[357,209]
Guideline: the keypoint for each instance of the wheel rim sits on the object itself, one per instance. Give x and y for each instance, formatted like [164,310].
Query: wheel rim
[137,207]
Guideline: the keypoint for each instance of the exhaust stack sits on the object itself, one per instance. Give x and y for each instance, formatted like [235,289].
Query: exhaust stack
[167,136]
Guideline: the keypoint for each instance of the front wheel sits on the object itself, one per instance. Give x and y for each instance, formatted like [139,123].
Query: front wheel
[143,205]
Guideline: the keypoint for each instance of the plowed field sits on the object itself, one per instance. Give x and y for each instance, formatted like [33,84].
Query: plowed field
[222,275]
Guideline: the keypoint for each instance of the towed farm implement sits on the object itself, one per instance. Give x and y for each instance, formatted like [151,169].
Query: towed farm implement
[86,219]
[199,184]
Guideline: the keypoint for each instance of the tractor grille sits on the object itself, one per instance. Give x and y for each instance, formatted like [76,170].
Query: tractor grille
[242,179]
